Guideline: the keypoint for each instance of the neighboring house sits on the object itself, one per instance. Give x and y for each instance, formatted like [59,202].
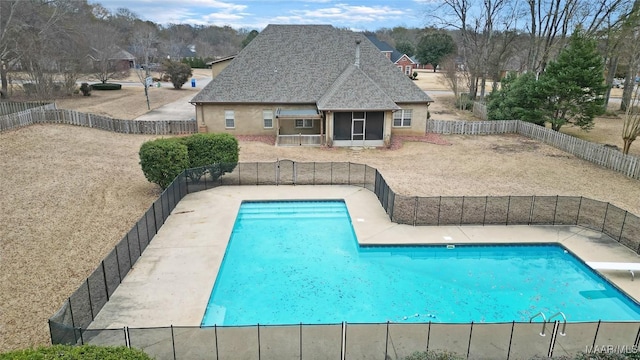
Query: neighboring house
[218,65]
[118,57]
[312,85]
[404,62]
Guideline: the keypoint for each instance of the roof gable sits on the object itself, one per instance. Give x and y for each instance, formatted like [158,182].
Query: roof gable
[299,64]
[341,96]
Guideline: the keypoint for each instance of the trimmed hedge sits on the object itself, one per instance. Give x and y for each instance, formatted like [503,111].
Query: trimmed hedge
[214,154]
[106,86]
[209,149]
[84,352]
[163,159]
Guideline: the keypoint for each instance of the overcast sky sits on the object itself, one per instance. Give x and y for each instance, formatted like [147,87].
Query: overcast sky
[256,14]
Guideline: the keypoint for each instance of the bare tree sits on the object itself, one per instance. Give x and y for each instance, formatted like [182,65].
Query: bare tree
[104,55]
[485,34]
[48,42]
[631,124]
[177,40]
[144,45]
[455,79]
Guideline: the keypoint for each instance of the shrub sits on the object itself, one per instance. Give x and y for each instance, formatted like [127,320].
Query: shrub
[220,150]
[163,159]
[106,86]
[179,73]
[415,74]
[83,352]
[86,89]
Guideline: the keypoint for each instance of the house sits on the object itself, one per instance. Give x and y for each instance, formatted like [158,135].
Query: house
[312,85]
[404,62]
[116,56]
[218,65]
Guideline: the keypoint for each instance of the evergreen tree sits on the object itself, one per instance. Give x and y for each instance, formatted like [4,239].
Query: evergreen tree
[405,47]
[574,84]
[432,48]
[519,98]
[571,90]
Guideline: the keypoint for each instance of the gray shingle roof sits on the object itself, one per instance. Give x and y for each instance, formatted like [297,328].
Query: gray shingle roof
[369,96]
[300,64]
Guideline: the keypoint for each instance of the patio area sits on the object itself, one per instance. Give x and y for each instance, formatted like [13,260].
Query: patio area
[172,281]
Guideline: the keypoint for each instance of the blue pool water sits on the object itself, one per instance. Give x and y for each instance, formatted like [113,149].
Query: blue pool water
[299,261]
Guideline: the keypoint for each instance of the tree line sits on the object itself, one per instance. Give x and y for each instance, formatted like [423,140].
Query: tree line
[51,43]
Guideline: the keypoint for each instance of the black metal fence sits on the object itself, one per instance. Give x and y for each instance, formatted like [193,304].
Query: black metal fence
[383,341]
[69,324]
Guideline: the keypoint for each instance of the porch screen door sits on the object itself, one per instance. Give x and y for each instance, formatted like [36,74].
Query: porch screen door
[357,126]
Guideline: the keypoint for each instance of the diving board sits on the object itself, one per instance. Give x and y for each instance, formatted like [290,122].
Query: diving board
[630,267]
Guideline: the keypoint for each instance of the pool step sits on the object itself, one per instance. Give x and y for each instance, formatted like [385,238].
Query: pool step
[292,209]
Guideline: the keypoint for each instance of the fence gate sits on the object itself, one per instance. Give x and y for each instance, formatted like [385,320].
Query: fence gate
[286,172]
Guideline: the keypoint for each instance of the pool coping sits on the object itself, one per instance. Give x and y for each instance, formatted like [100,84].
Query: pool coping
[171,282]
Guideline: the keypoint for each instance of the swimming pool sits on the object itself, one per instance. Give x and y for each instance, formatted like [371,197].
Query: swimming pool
[289,262]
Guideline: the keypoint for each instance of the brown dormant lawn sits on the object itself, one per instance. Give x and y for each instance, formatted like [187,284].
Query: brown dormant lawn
[69,194]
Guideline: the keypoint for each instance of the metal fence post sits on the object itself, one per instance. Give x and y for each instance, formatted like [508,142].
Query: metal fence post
[439,206]
[364,179]
[138,237]
[470,334]
[622,227]
[462,211]
[508,209]
[155,221]
[129,250]
[415,216]
[73,323]
[127,337]
[579,208]
[215,334]
[349,173]
[118,264]
[300,341]
[173,343]
[484,215]
[386,342]
[428,335]
[595,336]
[104,278]
[89,298]
[258,341]
[604,218]
[555,211]
[513,324]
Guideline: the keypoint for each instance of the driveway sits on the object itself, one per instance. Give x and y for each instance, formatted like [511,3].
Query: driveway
[177,110]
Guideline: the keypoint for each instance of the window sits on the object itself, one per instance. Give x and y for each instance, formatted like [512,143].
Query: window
[407,69]
[304,123]
[229,119]
[402,118]
[400,67]
[267,119]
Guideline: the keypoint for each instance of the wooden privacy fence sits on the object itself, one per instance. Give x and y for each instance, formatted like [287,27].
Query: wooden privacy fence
[595,153]
[480,110]
[10,107]
[49,114]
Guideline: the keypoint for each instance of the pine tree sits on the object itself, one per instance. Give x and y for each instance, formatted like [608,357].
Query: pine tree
[574,84]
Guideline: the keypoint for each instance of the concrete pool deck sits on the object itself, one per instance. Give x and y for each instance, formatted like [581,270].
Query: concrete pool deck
[171,282]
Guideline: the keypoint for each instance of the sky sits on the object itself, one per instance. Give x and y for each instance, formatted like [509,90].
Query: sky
[356,15]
